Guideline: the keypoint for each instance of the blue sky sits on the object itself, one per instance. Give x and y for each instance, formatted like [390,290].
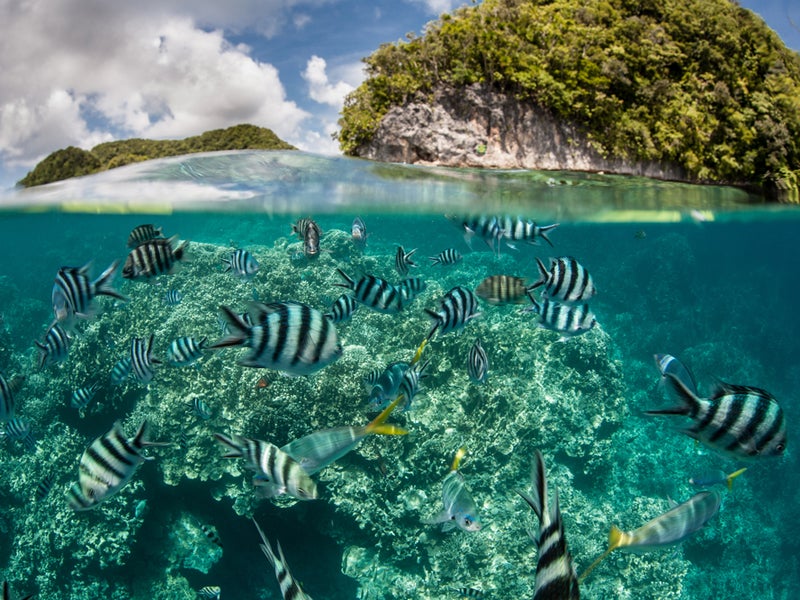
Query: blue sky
[80,72]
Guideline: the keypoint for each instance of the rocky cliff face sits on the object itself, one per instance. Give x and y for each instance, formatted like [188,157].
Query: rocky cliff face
[475,127]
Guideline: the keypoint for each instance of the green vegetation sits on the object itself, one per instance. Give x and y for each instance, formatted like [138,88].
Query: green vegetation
[704,84]
[72,162]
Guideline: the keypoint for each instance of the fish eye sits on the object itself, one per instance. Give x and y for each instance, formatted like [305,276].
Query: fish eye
[780,447]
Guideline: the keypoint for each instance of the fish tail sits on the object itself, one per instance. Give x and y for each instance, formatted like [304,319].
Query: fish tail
[543,273]
[729,479]
[140,439]
[349,283]
[460,453]
[438,321]
[378,425]
[418,353]
[180,251]
[241,330]
[235,449]
[434,260]
[689,403]
[616,538]
[102,285]
[539,480]
[543,232]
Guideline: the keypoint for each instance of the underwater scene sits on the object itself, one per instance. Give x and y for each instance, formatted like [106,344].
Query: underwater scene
[270,375]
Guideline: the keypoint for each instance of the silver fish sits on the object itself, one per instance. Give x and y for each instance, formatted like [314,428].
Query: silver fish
[358,231]
[669,364]
[460,509]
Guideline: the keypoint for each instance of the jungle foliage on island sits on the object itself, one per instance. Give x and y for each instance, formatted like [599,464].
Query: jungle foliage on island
[73,162]
[703,84]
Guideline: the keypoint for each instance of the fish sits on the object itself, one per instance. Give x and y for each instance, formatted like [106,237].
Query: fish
[412,379]
[55,346]
[184,351]
[410,288]
[144,233]
[387,386]
[241,263]
[19,430]
[308,231]
[211,534]
[301,226]
[317,450]
[73,291]
[459,306]
[154,257]
[640,234]
[403,262]
[142,360]
[358,232]
[107,465]
[567,281]
[524,230]
[466,592]
[502,289]
[201,408]
[567,319]
[210,592]
[288,336]
[669,364]
[477,363]
[7,593]
[460,509]
[121,370]
[44,486]
[374,292]
[739,421]
[276,472]
[8,390]
[173,298]
[290,589]
[715,477]
[448,256]
[342,309]
[265,381]
[555,572]
[486,227]
[82,396]
[372,377]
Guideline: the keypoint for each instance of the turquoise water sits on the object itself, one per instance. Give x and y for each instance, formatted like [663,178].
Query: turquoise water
[716,289]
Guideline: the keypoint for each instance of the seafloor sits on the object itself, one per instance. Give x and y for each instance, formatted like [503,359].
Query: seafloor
[692,291]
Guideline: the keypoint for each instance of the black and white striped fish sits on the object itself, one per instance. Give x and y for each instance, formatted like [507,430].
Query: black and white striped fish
[302,225]
[241,263]
[277,473]
[173,297]
[555,571]
[502,289]
[8,390]
[201,408]
[288,336]
[567,319]
[55,346]
[374,292]
[410,288]
[211,534]
[667,363]
[44,486]
[740,421]
[403,262]
[342,308]
[485,227]
[459,305]
[185,350]
[290,589]
[466,592]
[210,592]
[410,384]
[144,233]
[386,386]
[517,229]
[121,370]
[477,363]
[142,360]
[19,430]
[73,291]
[82,396]
[448,256]
[107,465]
[566,281]
[308,231]
[152,258]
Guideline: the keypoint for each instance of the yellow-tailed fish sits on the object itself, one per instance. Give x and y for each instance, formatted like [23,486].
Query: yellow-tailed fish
[715,477]
[418,353]
[460,509]
[317,450]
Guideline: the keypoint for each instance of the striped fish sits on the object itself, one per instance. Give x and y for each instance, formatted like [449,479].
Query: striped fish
[566,281]
[371,378]
[740,421]
[241,263]
[201,408]
[387,386]
[317,450]
[276,472]
[555,571]
[19,430]
[342,309]
[211,534]
[502,289]
[486,227]
[107,465]
[290,589]
[185,350]
[359,234]
[144,233]
[73,291]
[210,592]
[152,258]
[142,360]
[466,592]
[82,396]
[459,305]
[567,319]
[55,346]
[410,288]
[374,292]
[669,364]
[121,370]
[410,384]
[44,486]
[449,256]
[302,225]
[288,336]
[308,231]
[460,509]
[403,262]
[173,298]
[524,230]
[9,389]
[477,363]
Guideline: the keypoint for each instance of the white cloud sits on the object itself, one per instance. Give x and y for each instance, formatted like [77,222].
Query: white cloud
[320,88]
[437,7]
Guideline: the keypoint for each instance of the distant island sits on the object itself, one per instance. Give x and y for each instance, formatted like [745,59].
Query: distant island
[73,162]
[695,90]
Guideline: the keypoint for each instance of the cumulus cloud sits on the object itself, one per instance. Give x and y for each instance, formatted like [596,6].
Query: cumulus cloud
[437,7]
[320,88]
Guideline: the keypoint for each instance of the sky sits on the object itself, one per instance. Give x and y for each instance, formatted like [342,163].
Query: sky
[82,72]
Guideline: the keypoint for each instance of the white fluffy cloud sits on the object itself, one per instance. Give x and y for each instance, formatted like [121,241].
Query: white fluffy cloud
[320,88]
[437,7]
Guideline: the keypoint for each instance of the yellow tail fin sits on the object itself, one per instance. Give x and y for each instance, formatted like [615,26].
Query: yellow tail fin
[615,540]
[418,353]
[460,454]
[729,479]
[377,425]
